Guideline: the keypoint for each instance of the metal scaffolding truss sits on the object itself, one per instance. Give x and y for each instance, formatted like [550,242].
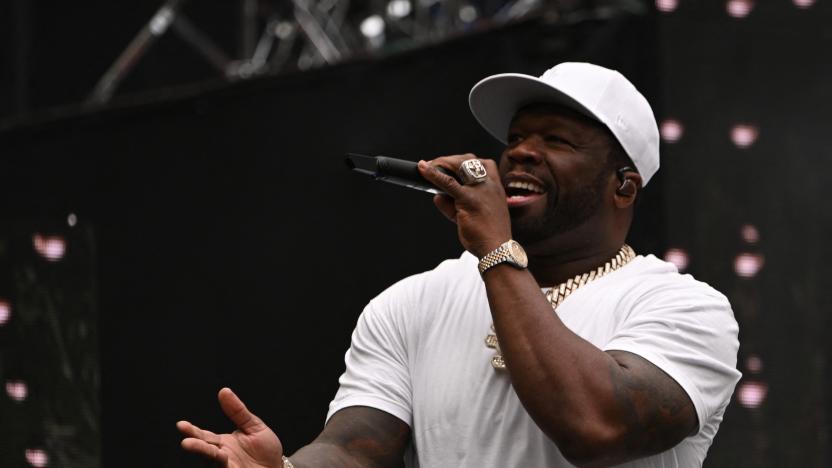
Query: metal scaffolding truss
[305,34]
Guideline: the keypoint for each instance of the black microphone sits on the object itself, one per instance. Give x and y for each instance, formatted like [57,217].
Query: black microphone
[395,171]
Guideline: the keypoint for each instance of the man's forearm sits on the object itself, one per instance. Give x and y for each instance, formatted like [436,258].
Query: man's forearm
[357,437]
[322,455]
[562,380]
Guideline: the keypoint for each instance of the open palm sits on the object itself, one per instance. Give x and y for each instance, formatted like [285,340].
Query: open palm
[252,445]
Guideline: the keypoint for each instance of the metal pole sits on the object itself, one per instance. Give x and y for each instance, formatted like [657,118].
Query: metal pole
[155,28]
[248,28]
[316,35]
[193,36]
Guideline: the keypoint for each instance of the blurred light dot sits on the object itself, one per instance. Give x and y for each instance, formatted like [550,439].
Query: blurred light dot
[804,3]
[17,390]
[372,26]
[754,364]
[744,135]
[677,257]
[747,265]
[5,311]
[667,5]
[750,233]
[752,393]
[283,29]
[399,8]
[37,457]
[468,13]
[739,8]
[71,219]
[671,130]
[51,248]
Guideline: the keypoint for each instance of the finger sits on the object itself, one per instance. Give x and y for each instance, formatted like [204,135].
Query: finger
[452,163]
[186,428]
[446,206]
[493,172]
[442,181]
[205,449]
[492,169]
[237,412]
[193,431]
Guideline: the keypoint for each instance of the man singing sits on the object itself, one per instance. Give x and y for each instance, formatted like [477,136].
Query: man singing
[549,342]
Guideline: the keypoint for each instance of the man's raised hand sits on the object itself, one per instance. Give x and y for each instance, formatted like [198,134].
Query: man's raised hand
[252,445]
[479,211]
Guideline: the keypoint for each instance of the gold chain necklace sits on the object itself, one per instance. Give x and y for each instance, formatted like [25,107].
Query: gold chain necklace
[560,292]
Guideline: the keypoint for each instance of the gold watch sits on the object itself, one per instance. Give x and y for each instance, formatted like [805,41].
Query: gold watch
[509,252]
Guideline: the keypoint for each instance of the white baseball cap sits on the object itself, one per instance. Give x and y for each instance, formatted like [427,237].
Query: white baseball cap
[597,92]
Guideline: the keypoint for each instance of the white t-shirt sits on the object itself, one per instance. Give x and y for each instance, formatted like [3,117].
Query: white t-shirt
[418,353]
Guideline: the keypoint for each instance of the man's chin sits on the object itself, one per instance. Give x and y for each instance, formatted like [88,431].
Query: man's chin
[529,231]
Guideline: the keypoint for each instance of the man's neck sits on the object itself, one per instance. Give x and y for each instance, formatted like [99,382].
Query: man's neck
[557,266]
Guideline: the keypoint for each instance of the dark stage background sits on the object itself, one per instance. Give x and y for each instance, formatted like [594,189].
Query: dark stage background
[221,241]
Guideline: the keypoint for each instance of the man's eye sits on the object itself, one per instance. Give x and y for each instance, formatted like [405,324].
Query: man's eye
[554,139]
[513,138]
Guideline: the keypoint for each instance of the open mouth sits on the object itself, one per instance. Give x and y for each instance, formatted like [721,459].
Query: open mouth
[519,193]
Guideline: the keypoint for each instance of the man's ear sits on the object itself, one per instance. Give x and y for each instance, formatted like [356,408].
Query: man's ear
[625,194]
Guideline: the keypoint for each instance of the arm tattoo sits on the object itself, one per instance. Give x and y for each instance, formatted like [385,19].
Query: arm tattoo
[657,411]
[357,436]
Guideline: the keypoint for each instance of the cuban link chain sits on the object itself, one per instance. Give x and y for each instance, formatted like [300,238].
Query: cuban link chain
[560,292]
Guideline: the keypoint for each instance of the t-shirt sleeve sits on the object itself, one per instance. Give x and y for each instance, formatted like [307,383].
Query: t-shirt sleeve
[691,334]
[377,373]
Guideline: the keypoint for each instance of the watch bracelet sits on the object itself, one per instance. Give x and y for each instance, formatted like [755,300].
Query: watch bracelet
[493,258]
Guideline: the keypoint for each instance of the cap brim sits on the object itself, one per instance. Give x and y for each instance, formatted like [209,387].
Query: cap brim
[496,99]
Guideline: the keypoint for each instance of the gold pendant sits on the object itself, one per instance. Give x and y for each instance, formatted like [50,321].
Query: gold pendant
[492,342]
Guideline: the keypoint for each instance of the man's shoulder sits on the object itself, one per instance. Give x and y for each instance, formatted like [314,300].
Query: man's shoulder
[450,274]
[466,264]
[452,270]
[654,274]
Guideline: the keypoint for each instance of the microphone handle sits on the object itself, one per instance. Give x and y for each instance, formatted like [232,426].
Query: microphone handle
[395,171]
[402,168]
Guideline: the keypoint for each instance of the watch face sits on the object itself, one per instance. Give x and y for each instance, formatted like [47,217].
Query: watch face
[519,254]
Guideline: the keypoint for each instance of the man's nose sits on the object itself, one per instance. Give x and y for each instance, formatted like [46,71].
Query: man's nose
[526,151]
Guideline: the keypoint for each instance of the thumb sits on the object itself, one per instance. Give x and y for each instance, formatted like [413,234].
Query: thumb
[237,412]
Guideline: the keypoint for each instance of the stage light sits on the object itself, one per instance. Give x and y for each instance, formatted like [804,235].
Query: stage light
[803,3]
[283,29]
[37,457]
[666,5]
[747,265]
[752,393]
[671,130]
[399,8]
[372,26]
[52,248]
[5,311]
[744,135]
[17,390]
[468,13]
[754,364]
[739,8]
[677,257]
[750,233]
[71,220]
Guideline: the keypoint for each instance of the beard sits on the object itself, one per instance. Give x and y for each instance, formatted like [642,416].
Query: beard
[561,215]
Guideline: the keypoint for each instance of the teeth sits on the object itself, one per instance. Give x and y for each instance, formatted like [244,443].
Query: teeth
[526,186]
